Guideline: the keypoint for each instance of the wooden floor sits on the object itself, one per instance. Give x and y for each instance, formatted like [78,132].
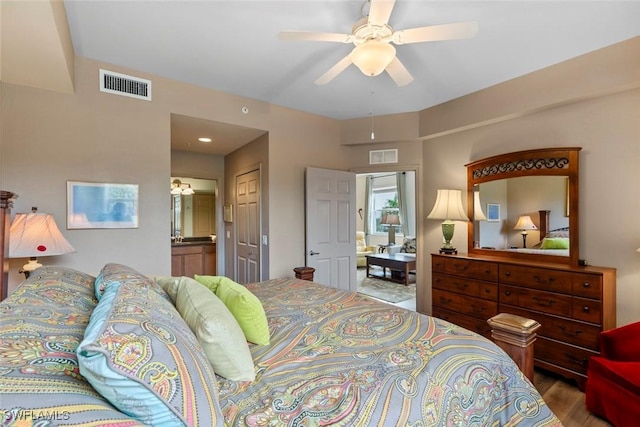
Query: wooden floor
[565,400]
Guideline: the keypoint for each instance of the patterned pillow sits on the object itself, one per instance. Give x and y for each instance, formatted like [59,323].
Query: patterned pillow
[245,307]
[409,245]
[140,355]
[116,274]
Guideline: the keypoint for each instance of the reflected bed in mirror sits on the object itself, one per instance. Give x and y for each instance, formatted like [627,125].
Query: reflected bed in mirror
[193,214]
[539,184]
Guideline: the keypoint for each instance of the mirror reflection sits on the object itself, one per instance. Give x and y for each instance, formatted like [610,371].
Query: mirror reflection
[513,220]
[193,207]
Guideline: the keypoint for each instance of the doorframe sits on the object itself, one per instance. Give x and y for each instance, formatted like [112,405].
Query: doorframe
[420,263]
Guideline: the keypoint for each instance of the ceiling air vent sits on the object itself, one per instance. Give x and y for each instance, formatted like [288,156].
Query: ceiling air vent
[377,157]
[121,84]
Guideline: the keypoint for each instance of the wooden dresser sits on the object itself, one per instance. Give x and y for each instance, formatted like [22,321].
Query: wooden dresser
[573,304]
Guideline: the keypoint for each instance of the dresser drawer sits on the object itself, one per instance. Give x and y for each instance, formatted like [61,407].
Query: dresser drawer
[471,323]
[587,285]
[558,328]
[567,356]
[538,278]
[479,307]
[546,302]
[587,310]
[480,270]
[446,300]
[437,263]
[465,286]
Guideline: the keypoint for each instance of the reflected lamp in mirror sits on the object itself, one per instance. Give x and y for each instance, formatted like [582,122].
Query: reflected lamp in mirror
[478,213]
[448,207]
[391,219]
[525,223]
[179,187]
[35,235]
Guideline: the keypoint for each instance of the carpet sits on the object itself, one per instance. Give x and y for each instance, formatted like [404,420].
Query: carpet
[384,289]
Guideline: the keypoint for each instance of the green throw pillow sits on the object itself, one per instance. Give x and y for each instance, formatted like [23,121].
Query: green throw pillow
[555,243]
[245,307]
[217,331]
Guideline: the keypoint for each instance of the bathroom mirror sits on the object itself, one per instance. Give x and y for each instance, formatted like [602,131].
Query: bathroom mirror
[193,212]
[541,184]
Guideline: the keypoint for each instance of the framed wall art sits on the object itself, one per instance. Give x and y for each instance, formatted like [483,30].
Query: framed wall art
[227,213]
[101,205]
[493,212]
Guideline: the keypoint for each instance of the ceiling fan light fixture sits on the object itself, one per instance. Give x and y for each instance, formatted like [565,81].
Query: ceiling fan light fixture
[373,56]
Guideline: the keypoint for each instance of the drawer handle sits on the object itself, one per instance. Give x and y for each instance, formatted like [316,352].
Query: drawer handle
[444,300]
[573,334]
[461,267]
[575,360]
[508,293]
[585,309]
[438,280]
[543,302]
[461,285]
[507,273]
[586,285]
[541,280]
[477,309]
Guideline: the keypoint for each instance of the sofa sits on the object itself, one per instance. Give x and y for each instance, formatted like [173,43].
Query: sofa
[362,249]
[613,378]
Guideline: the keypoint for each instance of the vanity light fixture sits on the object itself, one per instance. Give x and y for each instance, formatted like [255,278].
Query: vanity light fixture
[525,223]
[179,187]
[204,139]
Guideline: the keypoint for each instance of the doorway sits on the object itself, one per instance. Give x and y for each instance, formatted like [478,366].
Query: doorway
[387,219]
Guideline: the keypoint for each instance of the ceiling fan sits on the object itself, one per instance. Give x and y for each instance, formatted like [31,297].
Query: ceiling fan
[374,38]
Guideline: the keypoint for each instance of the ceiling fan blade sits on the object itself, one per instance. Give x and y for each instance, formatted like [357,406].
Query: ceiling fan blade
[399,73]
[460,30]
[334,71]
[380,11]
[318,37]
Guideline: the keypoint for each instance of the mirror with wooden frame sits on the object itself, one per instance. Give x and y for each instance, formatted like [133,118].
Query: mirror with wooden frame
[539,184]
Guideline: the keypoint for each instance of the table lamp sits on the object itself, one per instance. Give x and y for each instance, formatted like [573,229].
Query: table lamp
[448,207]
[391,219]
[524,223]
[33,235]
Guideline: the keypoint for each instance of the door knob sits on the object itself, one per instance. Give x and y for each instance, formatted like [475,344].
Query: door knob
[313,253]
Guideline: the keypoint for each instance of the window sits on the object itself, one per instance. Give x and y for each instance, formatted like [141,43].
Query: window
[381,200]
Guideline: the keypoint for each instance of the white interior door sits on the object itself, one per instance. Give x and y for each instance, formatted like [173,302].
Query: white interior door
[247,218]
[330,206]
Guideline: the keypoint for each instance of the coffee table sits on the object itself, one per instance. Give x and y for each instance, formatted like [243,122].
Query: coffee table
[400,263]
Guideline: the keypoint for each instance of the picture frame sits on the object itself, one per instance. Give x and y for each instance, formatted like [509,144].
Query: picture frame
[493,212]
[101,205]
[227,213]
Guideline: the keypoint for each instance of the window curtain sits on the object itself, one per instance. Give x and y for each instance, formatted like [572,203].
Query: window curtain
[401,188]
[367,208]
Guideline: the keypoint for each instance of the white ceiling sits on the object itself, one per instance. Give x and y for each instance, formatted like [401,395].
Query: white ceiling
[232,46]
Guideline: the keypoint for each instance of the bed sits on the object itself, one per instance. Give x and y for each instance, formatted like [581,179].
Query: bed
[334,358]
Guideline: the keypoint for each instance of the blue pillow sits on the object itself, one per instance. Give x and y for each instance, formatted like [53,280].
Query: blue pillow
[140,355]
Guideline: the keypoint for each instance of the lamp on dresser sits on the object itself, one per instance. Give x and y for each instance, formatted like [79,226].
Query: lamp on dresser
[448,207]
[524,223]
[36,234]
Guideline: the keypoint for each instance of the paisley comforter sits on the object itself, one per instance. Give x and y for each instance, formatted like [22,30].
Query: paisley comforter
[339,358]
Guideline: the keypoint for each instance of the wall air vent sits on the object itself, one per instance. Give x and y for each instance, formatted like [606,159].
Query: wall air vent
[377,157]
[121,84]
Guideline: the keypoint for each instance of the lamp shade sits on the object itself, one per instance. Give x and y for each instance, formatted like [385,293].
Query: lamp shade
[36,234]
[525,223]
[478,214]
[448,206]
[373,56]
[390,218]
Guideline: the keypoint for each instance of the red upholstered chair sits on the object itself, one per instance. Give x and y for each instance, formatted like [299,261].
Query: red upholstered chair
[613,378]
